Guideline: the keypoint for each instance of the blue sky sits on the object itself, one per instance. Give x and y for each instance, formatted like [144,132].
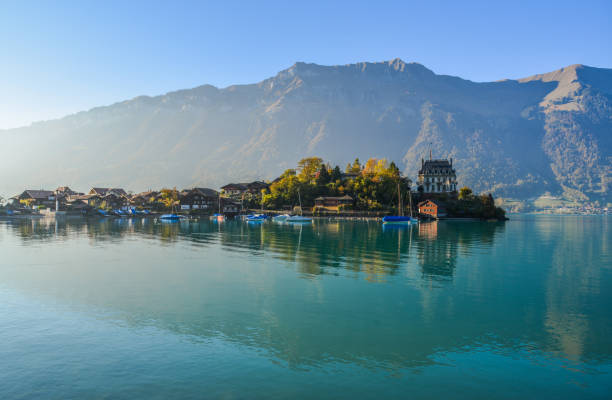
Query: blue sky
[63,57]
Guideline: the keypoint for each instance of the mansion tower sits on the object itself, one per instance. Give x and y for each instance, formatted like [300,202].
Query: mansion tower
[437,176]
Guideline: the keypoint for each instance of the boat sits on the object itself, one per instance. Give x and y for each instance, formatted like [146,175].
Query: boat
[397,219]
[256,218]
[218,217]
[169,217]
[281,217]
[298,218]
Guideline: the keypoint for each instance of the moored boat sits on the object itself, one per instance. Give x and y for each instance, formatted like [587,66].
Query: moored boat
[169,217]
[397,219]
[256,218]
[281,217]
[298,218]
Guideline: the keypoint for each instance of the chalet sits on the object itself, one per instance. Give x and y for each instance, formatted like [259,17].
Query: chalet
[105,191]
[238,189]
[198,199]
[437,176]
[64,192]
[431,209]
[36,198]
[333,203]
[144,198]
[230,206]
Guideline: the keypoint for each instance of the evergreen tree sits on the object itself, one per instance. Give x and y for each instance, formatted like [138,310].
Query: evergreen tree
[336,174]
[323,178]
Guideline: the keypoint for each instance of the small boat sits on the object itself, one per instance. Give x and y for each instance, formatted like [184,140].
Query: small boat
[397,219]
[218,217]
[281,217]
[298,218]
[169,217]
[256,218]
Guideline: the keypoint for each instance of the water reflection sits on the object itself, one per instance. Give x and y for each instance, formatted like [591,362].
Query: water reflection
[334,291]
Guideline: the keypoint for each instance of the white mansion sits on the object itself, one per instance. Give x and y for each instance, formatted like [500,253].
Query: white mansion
[437,176]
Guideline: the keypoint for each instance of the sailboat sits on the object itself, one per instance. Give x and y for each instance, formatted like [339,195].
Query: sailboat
[169,217]
[218,217]
[298,218]
[399,219]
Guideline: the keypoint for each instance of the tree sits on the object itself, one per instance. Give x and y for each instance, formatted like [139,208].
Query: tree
[26,202]
[169,197]
[465,193]
[393,170]
[336,174]
[356,167]
[323,177]
[308,168]
[369,167]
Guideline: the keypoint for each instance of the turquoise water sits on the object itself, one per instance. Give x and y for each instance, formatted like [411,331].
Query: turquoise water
[137,309]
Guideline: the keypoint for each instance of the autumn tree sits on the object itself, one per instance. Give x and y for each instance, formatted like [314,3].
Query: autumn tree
[308,168]
[26,202]
[465,193]
[169,197]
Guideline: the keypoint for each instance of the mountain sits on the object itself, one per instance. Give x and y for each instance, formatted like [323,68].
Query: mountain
[549,133]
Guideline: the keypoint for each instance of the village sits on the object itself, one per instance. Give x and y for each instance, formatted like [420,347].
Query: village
[372,190]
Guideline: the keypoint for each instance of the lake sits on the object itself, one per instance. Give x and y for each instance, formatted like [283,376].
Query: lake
[121,308]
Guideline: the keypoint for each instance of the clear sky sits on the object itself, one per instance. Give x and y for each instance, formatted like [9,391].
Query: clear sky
[63,57]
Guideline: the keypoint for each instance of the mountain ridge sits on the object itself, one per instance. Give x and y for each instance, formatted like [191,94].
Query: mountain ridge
[546,133]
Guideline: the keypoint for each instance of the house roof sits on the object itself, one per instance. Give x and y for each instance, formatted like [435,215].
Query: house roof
[148,194]
[36,194]
[205,192]
[104,191]
[427,201]
[439,167]
[245,185]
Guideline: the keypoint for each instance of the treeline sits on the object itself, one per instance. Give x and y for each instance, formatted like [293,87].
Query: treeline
[373,185]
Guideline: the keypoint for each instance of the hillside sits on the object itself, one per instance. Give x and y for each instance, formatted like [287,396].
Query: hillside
[519,139]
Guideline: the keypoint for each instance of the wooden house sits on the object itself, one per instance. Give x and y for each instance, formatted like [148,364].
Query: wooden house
[198,199]
[145,198]
[36,198]
[333,203]
[431,209]
[237,190]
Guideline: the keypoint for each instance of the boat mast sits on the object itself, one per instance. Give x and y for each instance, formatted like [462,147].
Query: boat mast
[300,200]
[399,199]
[410,200]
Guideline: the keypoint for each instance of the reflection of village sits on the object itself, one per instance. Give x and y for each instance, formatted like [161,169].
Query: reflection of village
[422,266]
[326,247]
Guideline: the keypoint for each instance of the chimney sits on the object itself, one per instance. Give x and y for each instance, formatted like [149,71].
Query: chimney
[422,163]
[451,160]
[430,155]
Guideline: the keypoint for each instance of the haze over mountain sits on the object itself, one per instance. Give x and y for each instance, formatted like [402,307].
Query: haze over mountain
[549,133]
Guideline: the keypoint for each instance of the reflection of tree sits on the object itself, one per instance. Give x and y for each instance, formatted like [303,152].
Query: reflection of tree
[245,299]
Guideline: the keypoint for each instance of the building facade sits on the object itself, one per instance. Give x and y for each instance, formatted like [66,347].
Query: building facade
[431,209]
[199,199]
[437,176]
